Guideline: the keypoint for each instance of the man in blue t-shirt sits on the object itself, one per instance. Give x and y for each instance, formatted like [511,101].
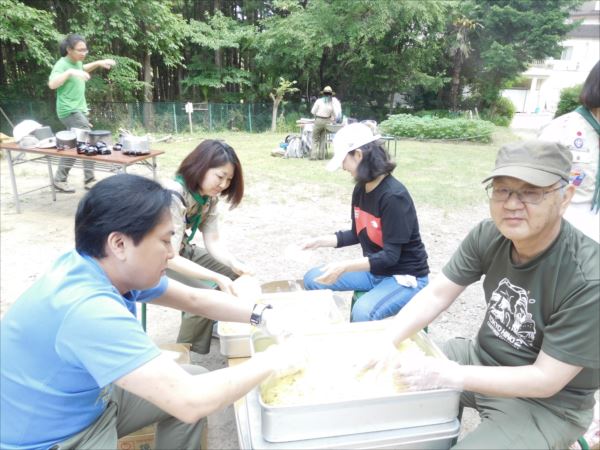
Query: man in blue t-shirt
[77,369]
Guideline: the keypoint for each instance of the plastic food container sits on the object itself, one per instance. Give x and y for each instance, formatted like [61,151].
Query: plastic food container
[311,310]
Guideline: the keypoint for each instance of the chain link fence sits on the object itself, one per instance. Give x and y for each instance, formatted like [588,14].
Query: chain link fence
[171,118]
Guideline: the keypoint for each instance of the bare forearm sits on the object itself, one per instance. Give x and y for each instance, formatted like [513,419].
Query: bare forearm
[523,381]
[209,303]
[424,307]
[59,80]
[190,269]
[191,397]
[357,265]
[90,67]
[228,385]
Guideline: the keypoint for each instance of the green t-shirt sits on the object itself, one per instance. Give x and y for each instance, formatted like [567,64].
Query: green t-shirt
[550,303]
[70,97]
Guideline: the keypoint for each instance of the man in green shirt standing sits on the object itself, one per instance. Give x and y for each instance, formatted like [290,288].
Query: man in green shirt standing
[533,368]
[68,77]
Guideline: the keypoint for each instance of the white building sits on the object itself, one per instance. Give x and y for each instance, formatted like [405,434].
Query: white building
[581,50]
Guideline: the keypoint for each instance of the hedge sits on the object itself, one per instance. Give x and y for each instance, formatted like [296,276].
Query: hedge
[406,125]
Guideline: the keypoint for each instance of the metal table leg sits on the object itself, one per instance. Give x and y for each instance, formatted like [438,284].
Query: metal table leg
[13,182]
[51,176]
[154,168]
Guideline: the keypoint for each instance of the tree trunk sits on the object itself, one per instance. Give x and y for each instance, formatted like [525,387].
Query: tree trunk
[147,90]
[455,82]
[276,102]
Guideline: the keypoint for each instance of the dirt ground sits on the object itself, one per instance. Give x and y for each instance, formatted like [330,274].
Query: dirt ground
[259,230]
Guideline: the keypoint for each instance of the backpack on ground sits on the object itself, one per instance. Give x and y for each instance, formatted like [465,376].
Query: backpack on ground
[294,147]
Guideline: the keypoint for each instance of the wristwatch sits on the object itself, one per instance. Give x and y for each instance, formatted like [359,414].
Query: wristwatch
[257,312]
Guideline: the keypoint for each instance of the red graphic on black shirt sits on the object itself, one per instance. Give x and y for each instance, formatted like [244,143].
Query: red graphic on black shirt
[371,223]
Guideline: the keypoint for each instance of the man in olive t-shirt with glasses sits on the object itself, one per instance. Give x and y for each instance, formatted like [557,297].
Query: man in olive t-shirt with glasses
[533,368]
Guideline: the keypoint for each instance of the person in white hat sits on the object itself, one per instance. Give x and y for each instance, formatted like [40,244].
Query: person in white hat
[384,222]
[326,110]
[68,78]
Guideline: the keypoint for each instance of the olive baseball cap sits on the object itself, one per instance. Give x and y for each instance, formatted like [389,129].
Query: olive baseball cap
[540,163]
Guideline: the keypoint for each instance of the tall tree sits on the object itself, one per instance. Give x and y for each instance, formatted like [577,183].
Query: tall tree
[26,36]
[460,48]
[281,90]
[513,34]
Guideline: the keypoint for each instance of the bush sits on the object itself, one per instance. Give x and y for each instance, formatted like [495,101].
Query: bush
[406,125]
[569,100]
[501,113]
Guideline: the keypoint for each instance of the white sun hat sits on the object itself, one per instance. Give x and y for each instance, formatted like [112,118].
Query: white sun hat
[350,138]
[24,128]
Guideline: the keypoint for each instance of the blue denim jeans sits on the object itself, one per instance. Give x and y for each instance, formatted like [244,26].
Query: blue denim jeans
[384,296]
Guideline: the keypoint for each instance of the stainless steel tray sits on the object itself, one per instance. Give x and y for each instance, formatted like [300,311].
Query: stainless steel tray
[352,415]
[310,309]
[431,437]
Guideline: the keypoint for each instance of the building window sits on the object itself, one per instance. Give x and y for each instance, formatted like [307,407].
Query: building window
[566,54]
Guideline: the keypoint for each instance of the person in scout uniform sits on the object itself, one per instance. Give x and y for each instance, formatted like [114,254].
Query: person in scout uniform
[326,110]
[212,170]
[68,78]
[579,130]
[78,370]
[534,366]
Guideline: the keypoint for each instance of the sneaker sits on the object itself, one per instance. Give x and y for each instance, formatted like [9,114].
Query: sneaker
[90,184]
[63,186]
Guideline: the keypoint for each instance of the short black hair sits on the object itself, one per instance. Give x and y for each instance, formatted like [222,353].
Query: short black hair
[70,42]
[130,204]
[375,161]
[590,93]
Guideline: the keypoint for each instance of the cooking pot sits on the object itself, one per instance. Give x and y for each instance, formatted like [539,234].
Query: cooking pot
[81,134]
[99,135]
[66,139]
[43,133]
[135,145]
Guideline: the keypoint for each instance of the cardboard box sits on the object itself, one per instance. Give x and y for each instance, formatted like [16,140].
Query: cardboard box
[140,440]
[282,286]
[143,439]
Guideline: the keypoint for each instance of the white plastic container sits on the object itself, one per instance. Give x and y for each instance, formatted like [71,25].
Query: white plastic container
[309,310]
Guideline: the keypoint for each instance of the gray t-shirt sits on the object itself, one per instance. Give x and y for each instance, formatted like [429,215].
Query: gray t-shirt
[551,303]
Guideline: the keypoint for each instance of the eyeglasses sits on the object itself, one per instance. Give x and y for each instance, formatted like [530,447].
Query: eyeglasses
[83,51]
[531,195]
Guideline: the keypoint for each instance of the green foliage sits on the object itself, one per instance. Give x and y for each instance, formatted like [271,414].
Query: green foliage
[514,34]
[237,49]
[119,83]
[406,125]
[501,112]
[569,100]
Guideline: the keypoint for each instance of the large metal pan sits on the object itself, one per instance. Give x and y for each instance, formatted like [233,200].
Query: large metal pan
[342,410]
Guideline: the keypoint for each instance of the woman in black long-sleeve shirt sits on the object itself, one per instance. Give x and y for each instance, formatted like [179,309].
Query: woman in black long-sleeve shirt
[384,222]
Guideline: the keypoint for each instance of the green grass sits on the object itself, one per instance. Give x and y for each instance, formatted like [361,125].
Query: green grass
[439,174]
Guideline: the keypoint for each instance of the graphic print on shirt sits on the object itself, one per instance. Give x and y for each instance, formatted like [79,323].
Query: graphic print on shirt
[371,223]
[508,316]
